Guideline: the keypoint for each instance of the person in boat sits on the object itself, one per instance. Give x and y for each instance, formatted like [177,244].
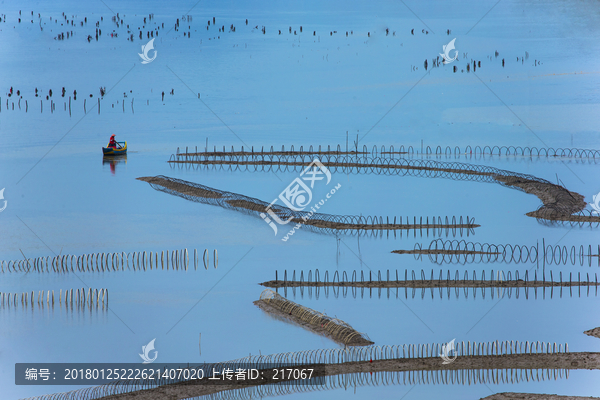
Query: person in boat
[112,143]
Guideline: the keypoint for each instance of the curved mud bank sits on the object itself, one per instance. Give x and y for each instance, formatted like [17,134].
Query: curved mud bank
[317,221]
[558,203]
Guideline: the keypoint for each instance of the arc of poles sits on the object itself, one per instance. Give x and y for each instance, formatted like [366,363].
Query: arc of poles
[105,262]
[562,209]
[379,163]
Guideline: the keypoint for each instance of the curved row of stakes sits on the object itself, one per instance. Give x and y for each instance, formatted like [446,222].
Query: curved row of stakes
[565,205]
[105,262]
[581,218]
[78,297]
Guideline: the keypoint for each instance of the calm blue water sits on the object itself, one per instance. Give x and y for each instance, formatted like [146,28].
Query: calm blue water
[263,90]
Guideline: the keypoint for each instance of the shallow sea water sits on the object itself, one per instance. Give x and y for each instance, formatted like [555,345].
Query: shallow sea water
[262,90]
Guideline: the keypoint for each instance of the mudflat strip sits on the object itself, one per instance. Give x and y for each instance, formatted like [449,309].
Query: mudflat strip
[571,361]
[443,251]
[532,396]
[312,219]
[435,283]
[316,322]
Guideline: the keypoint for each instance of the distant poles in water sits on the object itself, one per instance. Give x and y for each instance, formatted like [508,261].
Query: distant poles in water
[10,105]
[106,262]
[73,297]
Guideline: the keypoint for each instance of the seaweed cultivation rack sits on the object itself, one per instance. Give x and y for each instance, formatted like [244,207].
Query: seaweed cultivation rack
[392,152]
[462,252]
[500,283]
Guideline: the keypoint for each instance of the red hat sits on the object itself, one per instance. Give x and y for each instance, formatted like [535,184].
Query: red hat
[113,135]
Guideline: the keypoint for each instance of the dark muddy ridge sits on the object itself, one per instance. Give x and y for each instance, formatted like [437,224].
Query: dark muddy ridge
[317,221]
[558,203]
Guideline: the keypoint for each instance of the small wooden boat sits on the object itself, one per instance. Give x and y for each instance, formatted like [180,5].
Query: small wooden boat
[111,151]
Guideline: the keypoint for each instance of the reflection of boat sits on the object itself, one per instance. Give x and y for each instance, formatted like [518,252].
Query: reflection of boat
[111,151]
[113,160]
